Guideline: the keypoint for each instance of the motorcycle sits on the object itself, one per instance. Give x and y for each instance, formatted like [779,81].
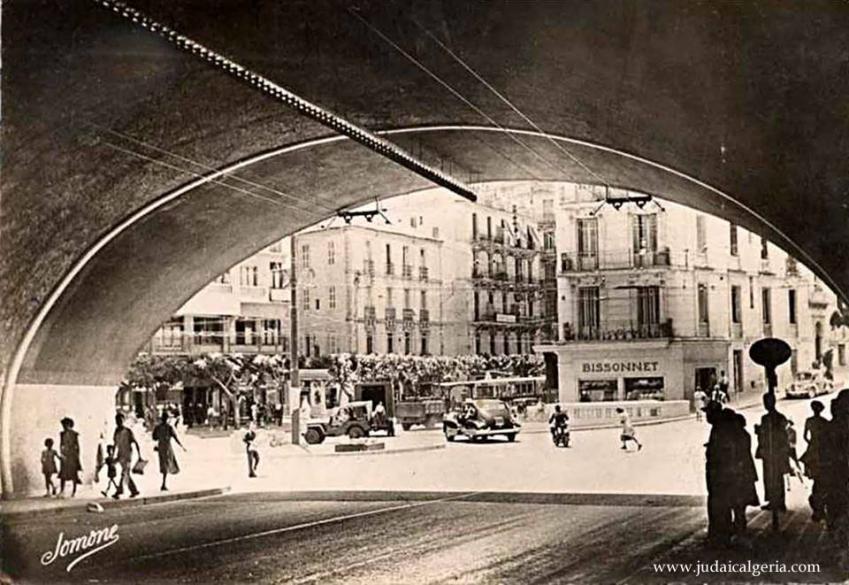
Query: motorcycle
[560,436]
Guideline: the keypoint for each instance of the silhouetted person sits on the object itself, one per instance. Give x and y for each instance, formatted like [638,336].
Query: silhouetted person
[815,429]
[835,469]
[745,472]
[774,452]
[719,474]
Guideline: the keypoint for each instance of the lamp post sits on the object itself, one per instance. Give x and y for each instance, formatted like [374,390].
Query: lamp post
[294,375]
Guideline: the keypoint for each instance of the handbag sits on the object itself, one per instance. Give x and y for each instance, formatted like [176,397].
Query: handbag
[138,468]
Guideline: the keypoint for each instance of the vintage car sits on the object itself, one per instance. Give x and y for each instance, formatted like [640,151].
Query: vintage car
[481,418]
[809,385]
[354,420]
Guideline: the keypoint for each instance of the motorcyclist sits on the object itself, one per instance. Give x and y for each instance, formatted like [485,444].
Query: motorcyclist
[558,421]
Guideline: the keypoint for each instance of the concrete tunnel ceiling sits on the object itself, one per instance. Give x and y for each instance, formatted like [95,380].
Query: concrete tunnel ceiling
[746,99]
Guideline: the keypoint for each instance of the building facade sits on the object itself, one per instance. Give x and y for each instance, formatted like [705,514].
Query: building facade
[659,300]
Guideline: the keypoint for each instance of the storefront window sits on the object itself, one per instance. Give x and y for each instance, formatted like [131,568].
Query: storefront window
[644,389]
[597,390]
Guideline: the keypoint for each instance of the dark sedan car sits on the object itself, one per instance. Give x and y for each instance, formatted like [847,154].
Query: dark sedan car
[481,418]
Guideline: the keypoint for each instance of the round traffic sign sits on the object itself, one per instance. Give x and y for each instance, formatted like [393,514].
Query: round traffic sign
[770,352]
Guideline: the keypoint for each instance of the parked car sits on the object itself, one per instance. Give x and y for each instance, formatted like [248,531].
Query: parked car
[481,418]
[355,420]
[809,385]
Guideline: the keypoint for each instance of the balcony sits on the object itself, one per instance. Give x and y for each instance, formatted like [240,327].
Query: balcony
[390,317]
[423,273]
[618,331]
[408,314]
[615,259]
[253,292]
[407,271]
[279,295]
[369,314]
[390,268]
[424,316]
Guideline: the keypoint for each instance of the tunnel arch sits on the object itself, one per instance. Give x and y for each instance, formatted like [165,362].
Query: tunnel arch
[56,325]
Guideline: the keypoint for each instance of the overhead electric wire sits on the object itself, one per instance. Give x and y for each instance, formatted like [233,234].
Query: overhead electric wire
[199,175]
[206,167]
[509,103]
[456,93]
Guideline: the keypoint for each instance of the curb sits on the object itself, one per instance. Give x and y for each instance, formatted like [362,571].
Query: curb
[108,504]
[369,453]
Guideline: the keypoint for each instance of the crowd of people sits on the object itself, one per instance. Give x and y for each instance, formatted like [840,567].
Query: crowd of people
[731,473]
[120,458]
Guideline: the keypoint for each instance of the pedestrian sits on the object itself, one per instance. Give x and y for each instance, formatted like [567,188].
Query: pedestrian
[278,413]
[774,453]
[628,432]
[111,464]
[251,449]
[124,440]
[795,467]
[48,466]
[815,428]
[254,413]
[162,434]
[225,414]
[835,470]
[719,474]
[69,449]
[723,387]
[699,402]
[744,472]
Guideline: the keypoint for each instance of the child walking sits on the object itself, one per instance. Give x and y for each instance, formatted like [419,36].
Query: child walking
[48,466]
[111,464]
[628,432]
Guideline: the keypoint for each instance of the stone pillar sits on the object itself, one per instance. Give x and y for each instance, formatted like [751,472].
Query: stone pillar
[36,412]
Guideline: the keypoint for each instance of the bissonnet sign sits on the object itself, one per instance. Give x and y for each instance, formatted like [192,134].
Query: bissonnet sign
[611,367]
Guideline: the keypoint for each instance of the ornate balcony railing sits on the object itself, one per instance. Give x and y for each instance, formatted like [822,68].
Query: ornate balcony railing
[618,331]
[407,271]
[615,259]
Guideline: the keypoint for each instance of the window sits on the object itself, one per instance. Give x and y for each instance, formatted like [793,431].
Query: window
[412,222]
[331,344]
[306,299]
[388,297]
[270,331]
[644,232]
[703,303]
[389,267]
[648,306]
[408,342]
[424,343]
[477,306]
[548,240]
[491,343]
[489,228]
[474,226]
[701,234]
[305,255]
[478,346]
[405,256]
[424,300]
[767,306]
[764,249]
[390,343]
[588,311]
[248,276]
[735,305]
[331,297]
[317,304]
[791,306]
[369,343]
[406,298]
[435,232]
[276,274]
[751,292]
[732,239]
[331,252]
[841,355]
[422,258]
[587,238]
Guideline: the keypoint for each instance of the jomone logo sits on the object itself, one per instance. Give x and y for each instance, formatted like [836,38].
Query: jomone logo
[81,547]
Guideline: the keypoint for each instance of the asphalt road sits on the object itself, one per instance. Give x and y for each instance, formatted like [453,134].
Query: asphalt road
[395,538]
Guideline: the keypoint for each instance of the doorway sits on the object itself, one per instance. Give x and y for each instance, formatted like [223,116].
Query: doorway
[705,379]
